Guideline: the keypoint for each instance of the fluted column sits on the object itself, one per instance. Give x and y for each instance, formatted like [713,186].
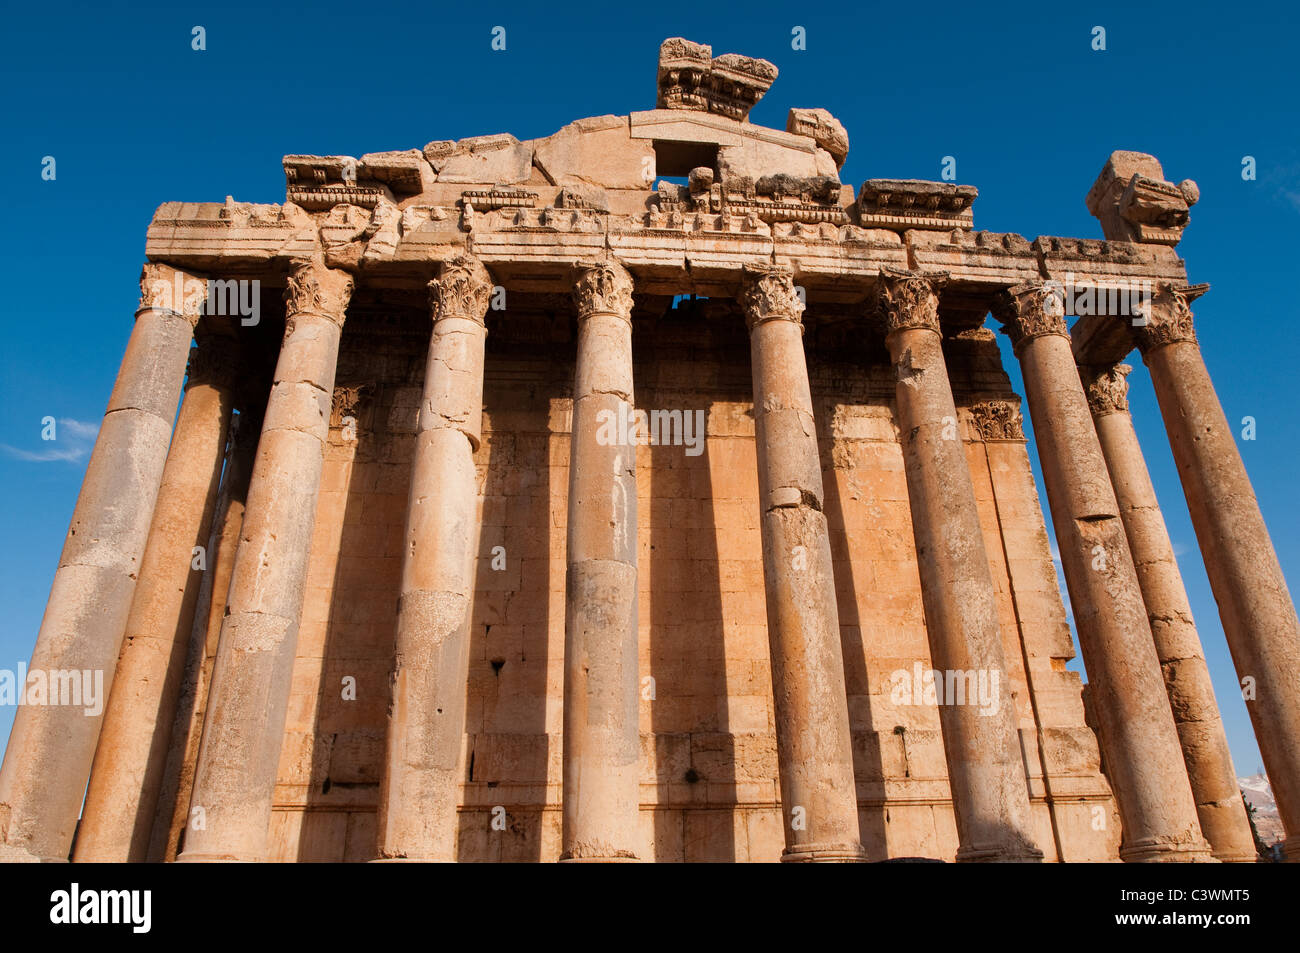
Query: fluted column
[1259,617]
[420,789]
[51,747]
[234,782]
[172,814]
[602,751]
[117,819]
[1140,743]
[814,751]
[981,736]
[1187,677]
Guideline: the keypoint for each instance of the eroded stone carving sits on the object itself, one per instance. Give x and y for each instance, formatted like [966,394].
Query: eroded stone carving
[998,420]
[1134,202]
[1169,317]
[912,203]
[690,77]
[463,289]
[315,289]
[769,295]
[908,299]
[1106,387]
[823,128]
[603,287]
[1031,310]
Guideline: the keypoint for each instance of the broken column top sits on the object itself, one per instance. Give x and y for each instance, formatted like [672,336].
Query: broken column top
[1135,203]
[692,78]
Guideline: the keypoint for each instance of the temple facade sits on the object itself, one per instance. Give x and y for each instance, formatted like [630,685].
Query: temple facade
[646,493]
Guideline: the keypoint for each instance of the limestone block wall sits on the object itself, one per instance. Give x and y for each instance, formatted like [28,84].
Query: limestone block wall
[709,789]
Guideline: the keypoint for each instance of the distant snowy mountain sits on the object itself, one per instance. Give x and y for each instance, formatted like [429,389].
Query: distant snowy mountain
[1259,794]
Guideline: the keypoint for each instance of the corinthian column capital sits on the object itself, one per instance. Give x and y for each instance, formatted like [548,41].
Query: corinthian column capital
[1031,310]
[909,299]
[164,288]
[1169,317]
[769,295]
[1106,387]
[463,289]
[602,287]
[315,289]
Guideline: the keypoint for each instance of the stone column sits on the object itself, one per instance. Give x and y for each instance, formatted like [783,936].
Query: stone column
[981,737]
[420,789]
[51,747]
[117,818]
[234,781]
[602,749]
[1187,677]
[1137,735]
[1259,618]
[173,808]
[814,751]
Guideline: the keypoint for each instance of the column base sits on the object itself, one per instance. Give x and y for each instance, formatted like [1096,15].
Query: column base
[410,860]
[999,854]
[1163,852]
[600,860]
[9,854]
[1236,857]
[194,858]
[824,854]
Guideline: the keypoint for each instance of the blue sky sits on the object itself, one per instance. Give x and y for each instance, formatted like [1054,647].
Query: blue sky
[133,117]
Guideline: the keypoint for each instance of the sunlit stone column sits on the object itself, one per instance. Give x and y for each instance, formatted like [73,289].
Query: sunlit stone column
[234,782]
[1187,677]
[173,808]
[981,737]
[51,747]
[420,790]
[602,757]
[117,819]
[819,800]
[1259,618]
[1143,759]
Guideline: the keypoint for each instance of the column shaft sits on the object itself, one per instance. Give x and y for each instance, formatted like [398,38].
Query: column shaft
[51,747]
[234,782]
[1259,617]
[117,819]
[421,785]
[1137,735]
[986,770]
[1187,677]
[173,808]
[602,751]
[814,750]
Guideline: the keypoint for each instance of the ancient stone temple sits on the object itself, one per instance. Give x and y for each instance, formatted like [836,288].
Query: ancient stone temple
[647,493]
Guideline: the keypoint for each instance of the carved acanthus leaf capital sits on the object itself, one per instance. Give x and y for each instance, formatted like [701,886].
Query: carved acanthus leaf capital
[1032,310]
[1106,387]
[347,401]
[602,287]
[1168,319]
[315,289]
[463,289]
[768,295]
[164,288]
[998,420]
[908,299]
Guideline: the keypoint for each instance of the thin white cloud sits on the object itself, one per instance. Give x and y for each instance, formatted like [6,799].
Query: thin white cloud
[72,443]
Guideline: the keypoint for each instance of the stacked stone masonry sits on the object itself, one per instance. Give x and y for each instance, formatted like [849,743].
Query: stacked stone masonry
[445,615]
